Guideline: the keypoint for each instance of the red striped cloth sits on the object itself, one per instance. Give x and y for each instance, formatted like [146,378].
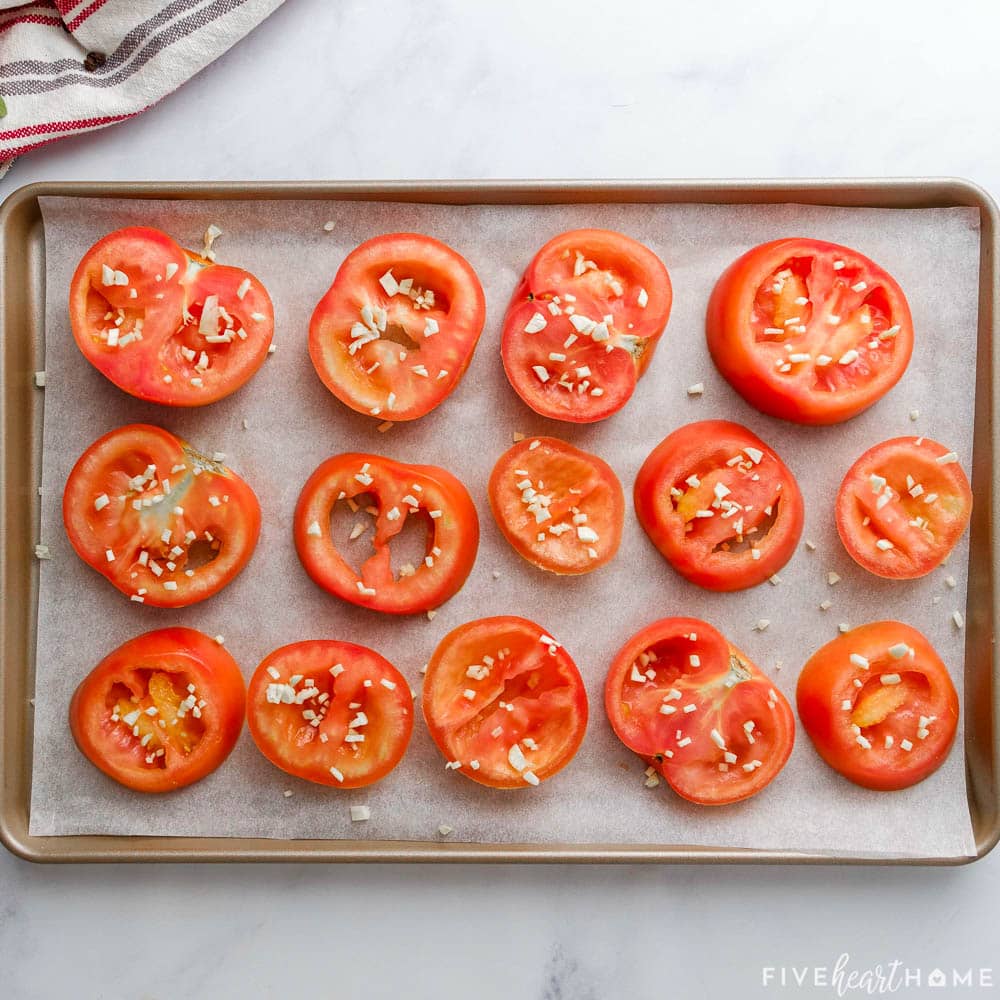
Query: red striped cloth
[71,66]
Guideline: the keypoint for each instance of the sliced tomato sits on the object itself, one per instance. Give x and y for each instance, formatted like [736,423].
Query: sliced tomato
[331,712]
[879,705]
[161,711]
[167,525]
[393,493]
[720,505]
[396,331]
[583,323]
[809,331]
[903,506]
[560,508]
[166,324]
[504,702]
[709,720]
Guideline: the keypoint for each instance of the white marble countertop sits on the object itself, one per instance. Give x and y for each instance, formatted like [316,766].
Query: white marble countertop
[442,89]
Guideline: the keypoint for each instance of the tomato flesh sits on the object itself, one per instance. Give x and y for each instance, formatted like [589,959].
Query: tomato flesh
[809,331]
[161,711]
[583,323]
[504,702]
[720,505]
[167,525]
[396,331]
[707,718]
[560,508]
[331,712]
[393,493]
[903,506]
[165,324]
[879,705]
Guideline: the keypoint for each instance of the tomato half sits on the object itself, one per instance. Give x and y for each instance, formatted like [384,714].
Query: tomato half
[809,331]
[583,323]
[720,505]
[709,720]
[396,331]
[504,702]
[167,525]
[164,323]
[330,712]
[560,508]
[161,711]
[879,705]
[393,493]
[903,506]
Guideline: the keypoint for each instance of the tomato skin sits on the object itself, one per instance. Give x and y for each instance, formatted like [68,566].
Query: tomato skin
[691,762]
[702,450]
[916,549]
[826,683]
[187,657]
[107,467]
[623,269]
[153,368]
[559,467]
[288,739]
[747,357]
[393,390]
[555,718]
[455,532]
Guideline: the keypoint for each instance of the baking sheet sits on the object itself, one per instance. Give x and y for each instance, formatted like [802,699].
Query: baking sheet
[294,424]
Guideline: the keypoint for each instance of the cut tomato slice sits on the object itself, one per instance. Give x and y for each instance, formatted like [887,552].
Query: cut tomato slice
[394,494]
[583,323]
[560,508]
[720,505]
[879,705]
[330,712]
[903,506]
[809,331]
[167,525]
[161,711]
[396,331]
[165,324]
[708,719]
[504,702]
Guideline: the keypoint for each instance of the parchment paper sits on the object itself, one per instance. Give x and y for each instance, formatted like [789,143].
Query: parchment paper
[294,423]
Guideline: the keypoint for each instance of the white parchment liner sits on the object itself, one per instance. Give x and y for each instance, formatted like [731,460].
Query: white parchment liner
[294,423]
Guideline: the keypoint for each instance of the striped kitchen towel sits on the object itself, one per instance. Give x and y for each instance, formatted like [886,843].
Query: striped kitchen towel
[71,66]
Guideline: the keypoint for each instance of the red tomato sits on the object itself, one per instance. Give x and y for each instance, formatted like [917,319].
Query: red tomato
[903,506]
[809,331]
[164,523]
[504,702]
[682,697]
[330,712]
[560,508]
[720,505]
[164,323]
[879,705]
[161,711]
[583,323]
[396,331]
[393,493]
